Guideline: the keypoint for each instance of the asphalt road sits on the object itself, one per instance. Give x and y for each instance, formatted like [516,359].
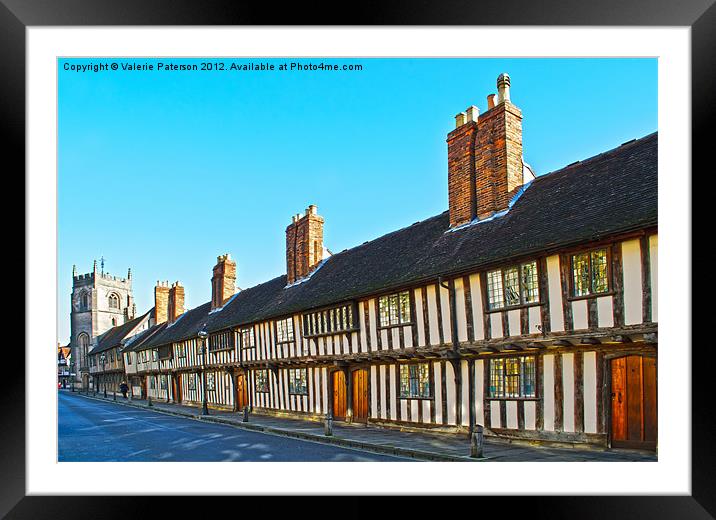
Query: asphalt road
[96,431]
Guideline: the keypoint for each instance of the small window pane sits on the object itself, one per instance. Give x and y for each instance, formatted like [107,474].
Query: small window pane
[580,271]
[530,284]
[494,289]
[512,286]
[599,271]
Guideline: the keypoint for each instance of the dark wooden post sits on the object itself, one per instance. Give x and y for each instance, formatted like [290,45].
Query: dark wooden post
[349,395]
[235,391]
[245,418]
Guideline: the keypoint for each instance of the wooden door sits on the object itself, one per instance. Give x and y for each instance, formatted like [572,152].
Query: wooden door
[360,395]
[176,381]
[634,414]
[339,395]
[242,394]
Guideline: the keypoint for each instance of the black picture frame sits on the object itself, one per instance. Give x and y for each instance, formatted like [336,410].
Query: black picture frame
[699,15]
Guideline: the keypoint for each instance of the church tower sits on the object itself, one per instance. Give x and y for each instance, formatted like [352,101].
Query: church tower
[100,301]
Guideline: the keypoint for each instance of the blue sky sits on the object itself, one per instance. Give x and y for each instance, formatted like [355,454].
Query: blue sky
[163,171]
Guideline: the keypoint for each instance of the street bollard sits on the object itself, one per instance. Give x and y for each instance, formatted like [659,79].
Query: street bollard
[149,400]
[476,442]
[245,418]
[329,425]
[105,392]
[114,395]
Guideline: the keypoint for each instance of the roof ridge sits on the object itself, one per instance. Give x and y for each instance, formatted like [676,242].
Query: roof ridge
[581,162]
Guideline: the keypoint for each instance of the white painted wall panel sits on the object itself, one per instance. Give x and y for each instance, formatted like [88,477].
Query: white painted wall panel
[361,321]
[433,332]
[417,295]
[495,414]
[496,325]
[465,374]
[403,409]
[548,410]
[556,315]
[460,311]
[373,393]
[437,374]
[580,314]
[393,396]
[372,321]
[479,392]
[450,390]
[654,274]
[605,311]
[477,314]
[590,392]
[530,415]
[631,258]
[445,311]
[511,414]
[568,386]
[513,321]
[535,320]
[414,410]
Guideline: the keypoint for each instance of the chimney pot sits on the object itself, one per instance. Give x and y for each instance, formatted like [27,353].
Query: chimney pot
[503,88]
[490,101]
[472,114]
[460,119]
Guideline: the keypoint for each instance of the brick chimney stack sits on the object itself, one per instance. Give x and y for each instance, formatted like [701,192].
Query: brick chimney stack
[161,302]
[176,302]
[485,158]
[223,282]
[304,244]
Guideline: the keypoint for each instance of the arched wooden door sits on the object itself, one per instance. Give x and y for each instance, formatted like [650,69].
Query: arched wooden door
[360,395]
[340,403]
[242,393]
[633,408]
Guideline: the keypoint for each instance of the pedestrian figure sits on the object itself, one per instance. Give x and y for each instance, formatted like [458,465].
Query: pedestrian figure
[124,389]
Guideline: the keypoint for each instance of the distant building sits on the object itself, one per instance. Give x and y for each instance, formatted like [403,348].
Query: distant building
[100,301]
[63,365]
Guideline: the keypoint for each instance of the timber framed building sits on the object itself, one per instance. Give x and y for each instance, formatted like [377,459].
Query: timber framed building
[529,307]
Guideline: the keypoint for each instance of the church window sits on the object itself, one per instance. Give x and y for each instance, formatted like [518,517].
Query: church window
[113,301]
[84,301]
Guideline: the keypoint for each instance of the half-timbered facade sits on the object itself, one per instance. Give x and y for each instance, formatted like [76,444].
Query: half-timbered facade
[529,307]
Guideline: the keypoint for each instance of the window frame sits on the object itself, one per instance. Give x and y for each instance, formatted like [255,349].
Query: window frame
[210,387]
[291,381]
[191,382]
[536,366]
[268,385]
[431,380]
[226,342]
[313,324]
[401,321]
[609,276]
[250,330]
[521,304]
[292,334]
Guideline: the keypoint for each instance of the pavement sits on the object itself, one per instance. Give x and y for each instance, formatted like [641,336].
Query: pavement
[385,441]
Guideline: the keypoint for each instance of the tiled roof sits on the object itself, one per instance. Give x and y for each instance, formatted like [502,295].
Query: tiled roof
[613,192]
[113,337]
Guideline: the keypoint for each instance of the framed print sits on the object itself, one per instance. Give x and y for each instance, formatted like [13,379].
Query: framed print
[429,238]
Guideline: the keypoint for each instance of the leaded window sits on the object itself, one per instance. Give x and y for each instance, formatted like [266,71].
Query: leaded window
[163,382]
[415,381]
[514,285]
[284,330]
[180,350]
[297,381]
[394,309]
[191,382]
[210,382]
[152,384]
[220,341]
[261,380]
[165,352]
[338,319]
[513,377]
[590,273]
[113,301]
[248,339]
